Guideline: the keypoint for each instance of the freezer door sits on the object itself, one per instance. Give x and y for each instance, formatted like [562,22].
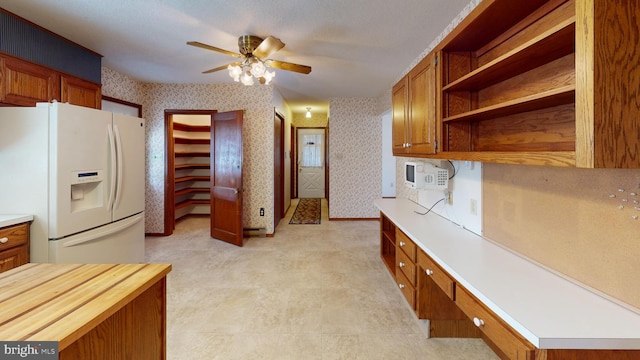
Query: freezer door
[80,163]
[121,242]
[130,137]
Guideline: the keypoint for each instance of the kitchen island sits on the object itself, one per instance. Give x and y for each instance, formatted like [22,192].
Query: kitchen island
[106,311]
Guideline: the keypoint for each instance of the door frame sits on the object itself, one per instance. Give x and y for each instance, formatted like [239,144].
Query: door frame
[169,161]
[278,168]
[326,158]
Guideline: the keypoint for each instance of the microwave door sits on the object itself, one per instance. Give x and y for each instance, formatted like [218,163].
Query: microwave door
[80,162]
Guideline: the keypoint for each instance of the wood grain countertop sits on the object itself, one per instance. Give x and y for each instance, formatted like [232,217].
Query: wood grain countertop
[62,302]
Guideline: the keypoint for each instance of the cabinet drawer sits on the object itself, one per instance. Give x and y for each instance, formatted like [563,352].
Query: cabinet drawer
[12,236]
[406,245]
[496,330]
[407,289]
[407,266]
[439,276]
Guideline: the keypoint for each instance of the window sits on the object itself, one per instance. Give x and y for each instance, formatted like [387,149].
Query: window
[312,151]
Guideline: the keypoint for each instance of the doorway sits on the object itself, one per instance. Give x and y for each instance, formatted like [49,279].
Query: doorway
[311,160]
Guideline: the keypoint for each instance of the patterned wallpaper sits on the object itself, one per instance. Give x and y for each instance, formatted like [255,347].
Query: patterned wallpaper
[258,103]
[355,158]
[354,138]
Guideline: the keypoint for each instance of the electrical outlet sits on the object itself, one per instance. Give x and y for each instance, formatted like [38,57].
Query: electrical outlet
[261,211]
[449,196]
[473,207]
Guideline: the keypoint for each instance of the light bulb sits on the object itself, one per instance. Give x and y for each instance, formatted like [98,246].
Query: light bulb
[258,69]
[308,115]
[234,71]
[268,76]
[246,78]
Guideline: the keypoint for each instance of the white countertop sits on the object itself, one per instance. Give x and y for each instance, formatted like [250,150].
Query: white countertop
[548,310]
[8,220]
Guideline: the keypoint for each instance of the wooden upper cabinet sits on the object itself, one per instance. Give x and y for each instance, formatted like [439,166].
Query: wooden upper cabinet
[24,83]
[414,108]
[422,106]
[399,109]
[81,92]
[543,82]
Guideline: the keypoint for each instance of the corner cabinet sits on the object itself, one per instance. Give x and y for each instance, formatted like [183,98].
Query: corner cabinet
[23,83]
[543,83]
[413,101]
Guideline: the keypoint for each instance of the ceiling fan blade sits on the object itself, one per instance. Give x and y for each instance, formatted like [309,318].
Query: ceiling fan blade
[268,46]
[221,67]
[213,48]
[303,69]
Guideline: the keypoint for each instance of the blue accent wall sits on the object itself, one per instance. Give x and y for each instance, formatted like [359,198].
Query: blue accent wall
[24,40]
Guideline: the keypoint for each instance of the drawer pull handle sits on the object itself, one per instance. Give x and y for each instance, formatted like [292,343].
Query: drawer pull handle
[429,272]
[4,240]
[401,286]
[401,264]
[478,322]
[402,243]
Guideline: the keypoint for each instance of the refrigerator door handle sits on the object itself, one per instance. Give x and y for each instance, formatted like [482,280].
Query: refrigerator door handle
[119,171]
[112,180]
[93,235]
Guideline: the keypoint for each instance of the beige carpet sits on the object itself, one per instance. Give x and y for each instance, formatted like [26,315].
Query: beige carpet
[308,293]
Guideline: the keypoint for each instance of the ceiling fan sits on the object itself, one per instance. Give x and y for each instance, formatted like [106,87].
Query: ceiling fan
[253,59]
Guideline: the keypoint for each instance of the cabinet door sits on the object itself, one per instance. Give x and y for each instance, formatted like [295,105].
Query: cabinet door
[24,83]
[422,107]
[81,92]
[12,258]
[399,106]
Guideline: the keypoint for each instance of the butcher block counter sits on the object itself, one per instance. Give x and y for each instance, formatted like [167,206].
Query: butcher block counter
[106,311]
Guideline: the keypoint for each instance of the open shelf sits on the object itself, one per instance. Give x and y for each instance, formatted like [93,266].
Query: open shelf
[546,99]
[191,128]
[184,140]
[192,178]
[551,45]
[192,166]
[191,202]
[192,190]
[192,154]
[388,243]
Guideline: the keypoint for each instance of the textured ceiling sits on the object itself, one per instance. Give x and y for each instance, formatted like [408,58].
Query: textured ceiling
[356,48]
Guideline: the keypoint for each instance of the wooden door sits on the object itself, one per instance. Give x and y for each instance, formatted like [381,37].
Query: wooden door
[226,177]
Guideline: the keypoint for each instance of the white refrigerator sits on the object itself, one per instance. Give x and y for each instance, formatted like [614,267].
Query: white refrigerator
[80,173]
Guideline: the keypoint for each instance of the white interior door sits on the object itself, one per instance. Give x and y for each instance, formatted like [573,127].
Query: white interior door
[311,170]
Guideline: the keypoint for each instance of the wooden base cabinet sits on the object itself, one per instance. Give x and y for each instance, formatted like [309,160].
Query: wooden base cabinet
[14,246]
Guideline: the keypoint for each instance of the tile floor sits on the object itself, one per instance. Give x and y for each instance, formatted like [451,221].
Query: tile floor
[309,292]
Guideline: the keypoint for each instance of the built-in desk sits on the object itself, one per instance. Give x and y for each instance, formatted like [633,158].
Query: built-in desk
[93,311]
[546,309]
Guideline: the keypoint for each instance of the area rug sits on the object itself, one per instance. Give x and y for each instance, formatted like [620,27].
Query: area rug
[307,212]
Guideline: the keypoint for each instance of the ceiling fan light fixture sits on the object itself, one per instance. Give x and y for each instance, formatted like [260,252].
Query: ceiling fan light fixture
[308,115]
